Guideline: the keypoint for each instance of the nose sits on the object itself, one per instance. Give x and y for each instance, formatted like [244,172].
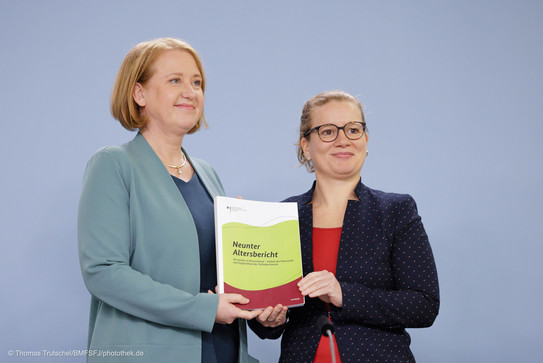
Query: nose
[187,90]
[342,136]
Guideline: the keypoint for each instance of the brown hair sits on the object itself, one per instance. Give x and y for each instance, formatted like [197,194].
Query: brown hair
[305,120]
[136,68]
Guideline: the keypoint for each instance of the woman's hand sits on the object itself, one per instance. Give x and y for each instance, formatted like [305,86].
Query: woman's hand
[324,285]
[227,312]
[272,317]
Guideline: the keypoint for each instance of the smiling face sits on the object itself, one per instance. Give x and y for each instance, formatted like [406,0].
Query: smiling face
[342,158]
[172,100]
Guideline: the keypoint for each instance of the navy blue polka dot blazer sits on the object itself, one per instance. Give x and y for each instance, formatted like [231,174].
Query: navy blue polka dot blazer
[387,275]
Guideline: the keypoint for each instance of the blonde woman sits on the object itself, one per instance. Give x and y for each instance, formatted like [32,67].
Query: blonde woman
[146,241]
[367,261]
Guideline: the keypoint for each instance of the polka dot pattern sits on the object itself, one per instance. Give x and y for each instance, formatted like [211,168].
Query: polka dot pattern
[387,275]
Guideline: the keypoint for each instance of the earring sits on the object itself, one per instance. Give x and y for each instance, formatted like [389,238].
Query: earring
[366,152]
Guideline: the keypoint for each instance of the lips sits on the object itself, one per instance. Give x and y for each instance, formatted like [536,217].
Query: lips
[342,155]
[185,106]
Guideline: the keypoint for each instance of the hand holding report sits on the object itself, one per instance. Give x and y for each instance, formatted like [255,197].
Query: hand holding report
[258,251]
[272,317]
[227,312]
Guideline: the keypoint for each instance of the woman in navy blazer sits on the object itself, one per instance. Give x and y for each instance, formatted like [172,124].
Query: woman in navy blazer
[385,279]
[146,241]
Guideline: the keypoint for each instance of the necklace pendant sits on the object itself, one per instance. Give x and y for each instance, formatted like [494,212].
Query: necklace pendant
[179,170]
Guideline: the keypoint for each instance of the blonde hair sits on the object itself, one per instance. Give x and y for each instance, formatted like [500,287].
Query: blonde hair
[305,120]
[137,68]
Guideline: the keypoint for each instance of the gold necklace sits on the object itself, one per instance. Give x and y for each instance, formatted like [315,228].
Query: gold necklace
[178,167]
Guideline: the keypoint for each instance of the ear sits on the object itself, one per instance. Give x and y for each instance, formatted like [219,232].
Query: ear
[305,148]
[138,95]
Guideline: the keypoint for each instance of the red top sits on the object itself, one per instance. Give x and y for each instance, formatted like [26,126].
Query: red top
[325,250]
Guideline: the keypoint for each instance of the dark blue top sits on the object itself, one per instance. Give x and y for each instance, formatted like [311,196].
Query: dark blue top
[221,346]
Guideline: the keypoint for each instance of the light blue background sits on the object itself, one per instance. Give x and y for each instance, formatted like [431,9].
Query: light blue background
[452,91]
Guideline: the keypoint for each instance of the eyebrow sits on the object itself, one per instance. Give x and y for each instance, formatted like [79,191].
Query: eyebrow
[182,74]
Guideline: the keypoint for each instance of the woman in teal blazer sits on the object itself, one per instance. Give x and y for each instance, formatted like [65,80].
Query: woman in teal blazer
[140,240]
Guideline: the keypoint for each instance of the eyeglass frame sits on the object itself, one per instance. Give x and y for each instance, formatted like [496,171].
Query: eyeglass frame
[364,129]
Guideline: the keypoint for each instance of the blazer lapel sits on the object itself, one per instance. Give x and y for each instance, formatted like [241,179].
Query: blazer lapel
[359,237]
[158,176]
[306,233]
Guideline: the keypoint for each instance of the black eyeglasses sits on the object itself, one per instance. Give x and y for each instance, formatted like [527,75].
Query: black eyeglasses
[354,130]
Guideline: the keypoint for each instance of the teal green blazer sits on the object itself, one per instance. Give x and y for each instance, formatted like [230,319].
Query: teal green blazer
[138,250]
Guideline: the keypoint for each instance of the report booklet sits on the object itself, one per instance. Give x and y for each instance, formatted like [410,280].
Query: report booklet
[258,251]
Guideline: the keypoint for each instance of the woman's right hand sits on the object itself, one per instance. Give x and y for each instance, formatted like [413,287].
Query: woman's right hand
[272,317]
[227,312]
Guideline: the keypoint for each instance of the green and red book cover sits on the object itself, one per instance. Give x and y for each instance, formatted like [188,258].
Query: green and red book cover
[258,251]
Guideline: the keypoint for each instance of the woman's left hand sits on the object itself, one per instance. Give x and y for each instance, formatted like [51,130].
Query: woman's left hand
[324,285]
[272,317]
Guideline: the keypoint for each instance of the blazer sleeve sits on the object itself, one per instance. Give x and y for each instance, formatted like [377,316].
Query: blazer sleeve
[413,301]
[264,332]
[105,251]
